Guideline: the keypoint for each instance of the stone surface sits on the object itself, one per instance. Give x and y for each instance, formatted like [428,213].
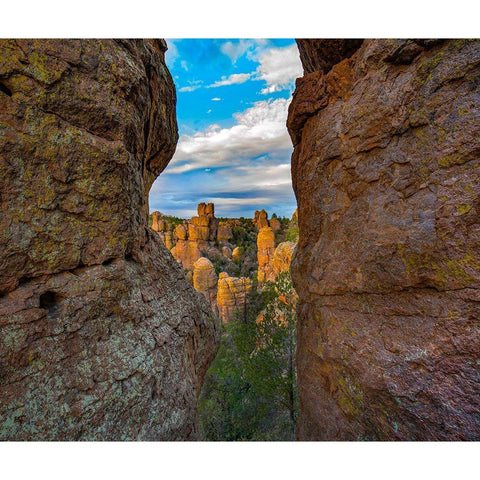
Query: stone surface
[232,295]
[186,253]
[224,233]
[260,219]
[386,174]
[205,280]
[101,337]
[282,258]
[322,54]
[265,251]
[275,224]
[237,254]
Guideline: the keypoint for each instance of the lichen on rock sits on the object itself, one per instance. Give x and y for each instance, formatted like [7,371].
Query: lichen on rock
[101,336]
[386,174]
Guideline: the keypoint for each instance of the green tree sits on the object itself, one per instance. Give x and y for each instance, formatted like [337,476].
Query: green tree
[250,390]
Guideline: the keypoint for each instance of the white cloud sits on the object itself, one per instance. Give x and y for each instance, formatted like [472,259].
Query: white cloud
[232,79]
[209,110]
[279,67]
[193,85]
[259,130]
[216,99]
[172,53]
[190,88]
[234,50]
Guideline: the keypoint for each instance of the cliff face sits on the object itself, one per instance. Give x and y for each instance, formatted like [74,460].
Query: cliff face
[386,173]
[101,337]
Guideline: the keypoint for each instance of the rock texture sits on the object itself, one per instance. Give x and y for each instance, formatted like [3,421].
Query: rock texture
[260,219]
[205,280]
[265,251]
[232,295]
[101,337]
[386,173]
[282,259]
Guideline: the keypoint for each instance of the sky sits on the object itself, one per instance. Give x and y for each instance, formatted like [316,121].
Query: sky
[234,149]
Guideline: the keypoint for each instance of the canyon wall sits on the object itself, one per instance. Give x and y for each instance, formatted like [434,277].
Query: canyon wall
[386,173]
[101,336]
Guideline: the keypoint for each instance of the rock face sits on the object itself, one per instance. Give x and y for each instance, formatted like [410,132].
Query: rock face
[101,337]
[282,259]
[232,295]
[205,280]
[386,173]
[265,251]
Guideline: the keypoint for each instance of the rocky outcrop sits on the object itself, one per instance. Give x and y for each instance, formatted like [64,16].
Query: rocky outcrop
[237,254]
[101,337]
[163,228]
[232,295]
[275,224]
[265,251]
[260,219]
[282,258]
[224,233]
[205,280]
[195,237]
[386,174]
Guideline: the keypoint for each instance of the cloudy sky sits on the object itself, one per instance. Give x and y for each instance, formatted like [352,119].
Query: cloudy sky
[234,149]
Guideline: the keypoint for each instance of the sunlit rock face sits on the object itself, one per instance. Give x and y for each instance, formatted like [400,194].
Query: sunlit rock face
[265,251]
[101,336]
[386,174]
[282,258]
[260,219]
[232,296]
[205,280]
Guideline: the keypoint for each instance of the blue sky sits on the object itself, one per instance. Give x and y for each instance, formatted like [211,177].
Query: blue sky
[234,149]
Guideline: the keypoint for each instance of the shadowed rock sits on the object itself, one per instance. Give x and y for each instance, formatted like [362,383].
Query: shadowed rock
[101,336]
[387,178]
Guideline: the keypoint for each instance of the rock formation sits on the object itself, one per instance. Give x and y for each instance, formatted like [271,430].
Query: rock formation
[193,239]
[282,258]
[387,178]
[205,280]
[265,251]
[232,295]
[237,254]
[224,233]
[163,228]
[101,337]
[260,219]
[275,224]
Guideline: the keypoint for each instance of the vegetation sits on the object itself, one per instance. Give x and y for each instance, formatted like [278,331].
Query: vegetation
[250,391]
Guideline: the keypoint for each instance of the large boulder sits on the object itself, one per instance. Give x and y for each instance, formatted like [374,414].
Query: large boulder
[386,173]
[101,336]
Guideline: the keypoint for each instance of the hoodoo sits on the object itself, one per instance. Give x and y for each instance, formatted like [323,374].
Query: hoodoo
[387,178]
